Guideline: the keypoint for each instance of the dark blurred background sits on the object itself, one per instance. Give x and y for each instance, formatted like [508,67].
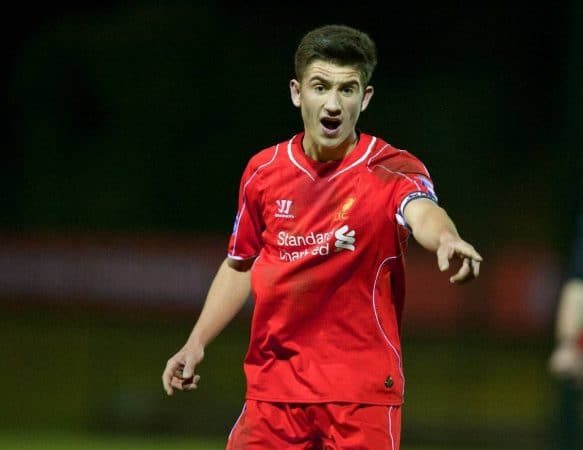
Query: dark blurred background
[128,127]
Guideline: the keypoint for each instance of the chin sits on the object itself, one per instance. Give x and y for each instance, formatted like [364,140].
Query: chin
[329,142]
[333,142]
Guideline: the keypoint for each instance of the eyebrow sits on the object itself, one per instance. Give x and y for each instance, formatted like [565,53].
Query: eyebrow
[351,81]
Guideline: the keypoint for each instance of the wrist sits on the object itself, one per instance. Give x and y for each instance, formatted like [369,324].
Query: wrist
[446,237]
[196,340]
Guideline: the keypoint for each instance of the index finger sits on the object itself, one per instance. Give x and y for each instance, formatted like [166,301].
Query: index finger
[464,249]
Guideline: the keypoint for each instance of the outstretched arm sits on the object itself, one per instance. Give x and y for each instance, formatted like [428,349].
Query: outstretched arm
[434,230]
[226,296]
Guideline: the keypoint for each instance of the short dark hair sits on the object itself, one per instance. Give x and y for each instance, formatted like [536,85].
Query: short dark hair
[338,44]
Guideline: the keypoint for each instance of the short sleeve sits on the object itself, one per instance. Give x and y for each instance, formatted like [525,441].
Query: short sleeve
[405,177]
[245,241]
[410,187]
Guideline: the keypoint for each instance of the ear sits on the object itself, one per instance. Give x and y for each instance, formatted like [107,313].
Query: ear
[294,89]
[368,92]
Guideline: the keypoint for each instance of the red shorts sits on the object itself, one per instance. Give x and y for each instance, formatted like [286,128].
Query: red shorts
[316,426]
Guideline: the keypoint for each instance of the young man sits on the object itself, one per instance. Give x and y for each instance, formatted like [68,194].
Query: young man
[566,361]
[320,237]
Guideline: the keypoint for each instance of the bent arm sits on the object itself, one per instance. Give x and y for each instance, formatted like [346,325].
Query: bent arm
[570,312]
[226,296]
[434,230]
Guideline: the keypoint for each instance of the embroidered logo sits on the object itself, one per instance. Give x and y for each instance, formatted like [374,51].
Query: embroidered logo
[342,213]
[283,209]
[344,239]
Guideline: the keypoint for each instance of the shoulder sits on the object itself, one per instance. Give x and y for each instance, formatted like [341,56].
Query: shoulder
[267,156]
[263,159]
[387,158]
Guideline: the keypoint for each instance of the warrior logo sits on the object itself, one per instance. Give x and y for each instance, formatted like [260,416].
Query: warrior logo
[283,208]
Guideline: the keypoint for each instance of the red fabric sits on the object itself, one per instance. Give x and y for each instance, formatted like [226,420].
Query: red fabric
[329,280]
[322,426]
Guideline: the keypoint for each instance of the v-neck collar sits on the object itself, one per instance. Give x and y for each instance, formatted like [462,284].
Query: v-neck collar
[329,169]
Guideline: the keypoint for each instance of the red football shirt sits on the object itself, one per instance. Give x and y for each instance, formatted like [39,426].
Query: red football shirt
[328,281]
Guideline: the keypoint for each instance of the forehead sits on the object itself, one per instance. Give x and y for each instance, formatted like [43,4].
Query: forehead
[331,72]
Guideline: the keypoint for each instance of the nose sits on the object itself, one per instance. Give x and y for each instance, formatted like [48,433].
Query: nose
[332,104]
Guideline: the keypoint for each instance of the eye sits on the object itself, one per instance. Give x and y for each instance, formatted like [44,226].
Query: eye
[319,88]
[348,90]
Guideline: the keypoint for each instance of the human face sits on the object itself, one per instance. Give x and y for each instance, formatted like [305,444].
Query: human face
[331,98]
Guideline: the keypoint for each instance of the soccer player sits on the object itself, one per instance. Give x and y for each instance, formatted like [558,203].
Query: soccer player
[566,361]
[320,238]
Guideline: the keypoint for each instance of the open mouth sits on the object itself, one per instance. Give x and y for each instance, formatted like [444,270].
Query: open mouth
[330,124]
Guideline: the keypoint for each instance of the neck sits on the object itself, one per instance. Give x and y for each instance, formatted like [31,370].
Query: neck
[323,153]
